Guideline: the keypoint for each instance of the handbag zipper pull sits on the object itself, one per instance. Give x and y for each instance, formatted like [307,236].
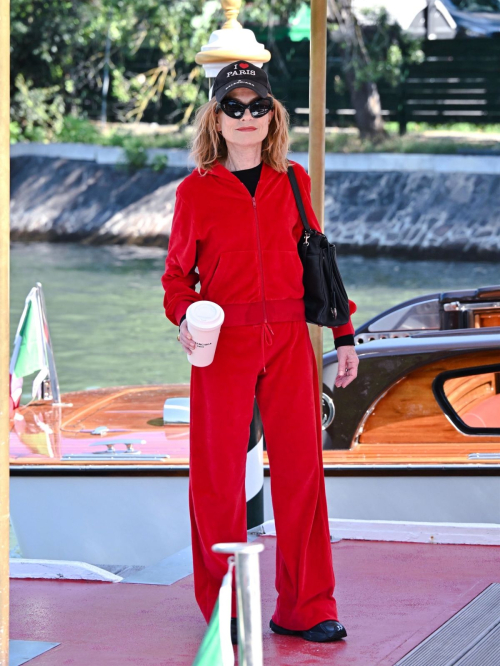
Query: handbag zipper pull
[334,309]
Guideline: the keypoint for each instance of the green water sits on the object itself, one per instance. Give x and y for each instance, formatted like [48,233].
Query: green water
[105,305]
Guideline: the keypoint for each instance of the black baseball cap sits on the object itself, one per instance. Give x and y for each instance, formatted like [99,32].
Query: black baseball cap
[240,74]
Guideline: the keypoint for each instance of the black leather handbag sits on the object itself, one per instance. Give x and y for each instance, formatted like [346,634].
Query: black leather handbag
[325,297]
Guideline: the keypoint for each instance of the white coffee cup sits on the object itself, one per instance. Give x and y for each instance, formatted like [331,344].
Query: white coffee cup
[204,319]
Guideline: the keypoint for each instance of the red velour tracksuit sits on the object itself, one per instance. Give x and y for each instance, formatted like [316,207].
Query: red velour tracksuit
[245,249]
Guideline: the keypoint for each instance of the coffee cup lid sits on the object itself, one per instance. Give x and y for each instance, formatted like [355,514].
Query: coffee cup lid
[205,315]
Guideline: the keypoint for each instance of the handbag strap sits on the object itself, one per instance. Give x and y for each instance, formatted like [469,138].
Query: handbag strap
[298,198]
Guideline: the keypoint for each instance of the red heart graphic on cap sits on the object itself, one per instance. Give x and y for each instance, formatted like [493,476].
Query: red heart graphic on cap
[244,65]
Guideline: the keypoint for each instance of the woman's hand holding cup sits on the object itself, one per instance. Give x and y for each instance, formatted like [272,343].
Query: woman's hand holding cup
[200,331]
[186,339]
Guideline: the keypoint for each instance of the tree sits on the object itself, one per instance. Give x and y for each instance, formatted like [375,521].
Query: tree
[58,58]
[364,94]
[378,50]
[58,47]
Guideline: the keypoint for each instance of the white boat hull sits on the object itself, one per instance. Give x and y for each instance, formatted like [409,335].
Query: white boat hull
[139,519]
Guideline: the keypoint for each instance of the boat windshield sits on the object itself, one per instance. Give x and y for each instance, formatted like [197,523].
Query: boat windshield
[478,5]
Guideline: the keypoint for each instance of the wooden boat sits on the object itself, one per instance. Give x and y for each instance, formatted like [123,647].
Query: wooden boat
[428,385]
[415,437]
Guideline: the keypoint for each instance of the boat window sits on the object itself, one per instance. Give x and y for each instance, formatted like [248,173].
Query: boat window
[415,317]
[470,398]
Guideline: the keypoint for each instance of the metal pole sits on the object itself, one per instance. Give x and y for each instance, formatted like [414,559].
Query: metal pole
[249,615]
[248,596]
[55,393]
[317,108]
[4,332]
[105,83]
[430,20]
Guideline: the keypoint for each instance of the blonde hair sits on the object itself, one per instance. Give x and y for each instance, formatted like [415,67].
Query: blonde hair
[209,146]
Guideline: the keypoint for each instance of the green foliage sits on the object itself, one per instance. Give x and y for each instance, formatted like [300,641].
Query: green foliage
[159,162]
[153,74]
[38,112]
[153,45]
[15,132]
[386,51]
[118,138]
[136,156]
[421,138]
[79,130]
[269,12]
[349,141]
[463,128]
[57,62]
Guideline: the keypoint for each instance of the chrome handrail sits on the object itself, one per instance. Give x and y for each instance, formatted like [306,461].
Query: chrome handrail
[246,556]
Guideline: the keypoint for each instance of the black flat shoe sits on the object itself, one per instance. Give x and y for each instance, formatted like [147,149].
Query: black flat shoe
[234,631]
[328,630]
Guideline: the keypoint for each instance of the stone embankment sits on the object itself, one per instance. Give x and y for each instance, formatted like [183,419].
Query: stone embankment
[401,205]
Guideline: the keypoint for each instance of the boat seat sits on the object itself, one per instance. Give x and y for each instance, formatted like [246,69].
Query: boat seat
[485,414]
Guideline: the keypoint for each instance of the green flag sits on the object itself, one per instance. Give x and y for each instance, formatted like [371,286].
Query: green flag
[29,356]
[216,648]
[29,352]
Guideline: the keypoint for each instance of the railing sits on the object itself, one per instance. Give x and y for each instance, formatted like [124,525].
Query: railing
[216,646]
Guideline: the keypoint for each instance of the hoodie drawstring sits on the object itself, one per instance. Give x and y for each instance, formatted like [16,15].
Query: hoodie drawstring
[267,331]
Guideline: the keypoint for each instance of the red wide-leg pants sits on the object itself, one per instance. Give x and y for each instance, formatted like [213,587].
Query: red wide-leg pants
[276,364]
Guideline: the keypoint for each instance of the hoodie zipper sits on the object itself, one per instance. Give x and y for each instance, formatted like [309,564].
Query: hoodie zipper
[260,257]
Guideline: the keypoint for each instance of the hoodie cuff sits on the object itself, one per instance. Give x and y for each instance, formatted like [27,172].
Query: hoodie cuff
[343,340]
[180,310]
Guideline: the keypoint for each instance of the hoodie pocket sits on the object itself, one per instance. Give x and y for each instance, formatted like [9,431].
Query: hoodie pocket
[236,278]
[282,274]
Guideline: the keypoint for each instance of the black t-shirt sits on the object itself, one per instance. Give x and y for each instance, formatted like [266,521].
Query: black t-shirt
[249,177]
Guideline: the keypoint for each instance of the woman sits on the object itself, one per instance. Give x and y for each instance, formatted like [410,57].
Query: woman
[236,220]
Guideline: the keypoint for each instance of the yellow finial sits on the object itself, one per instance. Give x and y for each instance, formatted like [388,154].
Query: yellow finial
[229,43]
[231,10]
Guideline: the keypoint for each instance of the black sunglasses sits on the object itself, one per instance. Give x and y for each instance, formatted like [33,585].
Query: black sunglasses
[235,109]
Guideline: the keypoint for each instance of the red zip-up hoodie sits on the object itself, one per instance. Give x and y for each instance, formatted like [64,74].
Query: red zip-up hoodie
[244,247]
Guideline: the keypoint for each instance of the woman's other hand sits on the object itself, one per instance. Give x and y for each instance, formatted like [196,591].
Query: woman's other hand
[185,338]
[348,365]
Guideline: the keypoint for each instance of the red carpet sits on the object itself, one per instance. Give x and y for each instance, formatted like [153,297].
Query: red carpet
[390,597]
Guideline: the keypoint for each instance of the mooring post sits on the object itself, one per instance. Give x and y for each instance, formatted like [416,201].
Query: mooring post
[248,599]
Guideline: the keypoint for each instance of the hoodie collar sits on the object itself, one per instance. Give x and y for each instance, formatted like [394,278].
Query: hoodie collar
[220,170]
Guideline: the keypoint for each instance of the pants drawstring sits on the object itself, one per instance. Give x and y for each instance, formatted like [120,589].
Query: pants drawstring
[267,331]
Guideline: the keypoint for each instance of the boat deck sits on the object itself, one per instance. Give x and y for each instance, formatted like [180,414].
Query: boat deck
[390,595]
